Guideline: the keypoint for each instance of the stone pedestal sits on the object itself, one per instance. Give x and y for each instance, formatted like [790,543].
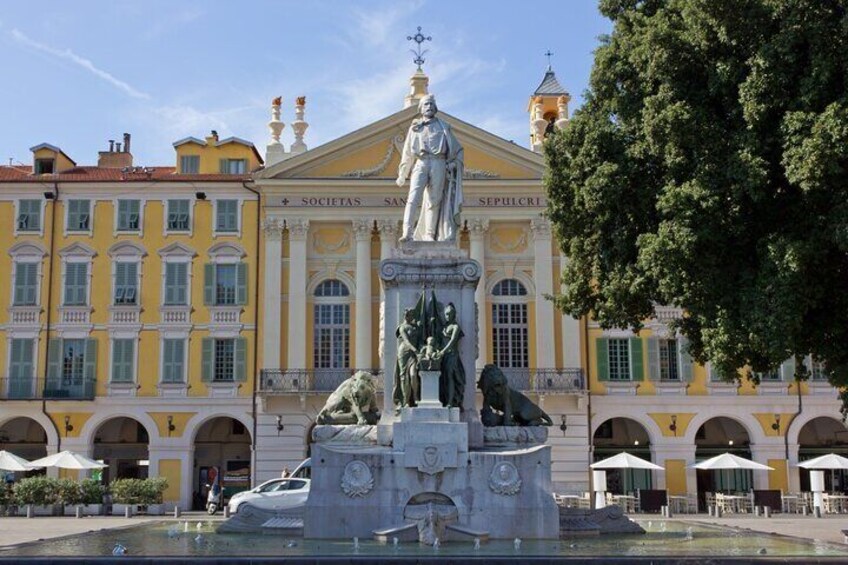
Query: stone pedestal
[443,268]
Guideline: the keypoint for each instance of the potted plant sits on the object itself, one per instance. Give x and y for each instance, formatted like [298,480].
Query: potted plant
[92,497]
[68,495]
[126,493]
[152,490]
[38,492]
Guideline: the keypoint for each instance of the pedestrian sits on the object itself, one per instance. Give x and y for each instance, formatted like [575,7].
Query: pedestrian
[286,472]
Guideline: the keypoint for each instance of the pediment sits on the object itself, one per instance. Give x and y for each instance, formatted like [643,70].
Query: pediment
[177,249]
[373,152]
[127,249]
[77,249]
[28,249]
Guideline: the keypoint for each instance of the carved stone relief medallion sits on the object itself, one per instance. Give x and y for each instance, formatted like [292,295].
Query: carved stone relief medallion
[357,479]
[504,479]
[431,460]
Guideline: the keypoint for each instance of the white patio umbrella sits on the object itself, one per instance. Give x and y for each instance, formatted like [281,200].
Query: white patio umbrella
[730,461]
[68,460]
[829,461]
[625,461]
[621,461]
[11,462]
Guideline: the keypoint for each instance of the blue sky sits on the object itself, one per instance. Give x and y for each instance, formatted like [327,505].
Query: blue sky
[79,73]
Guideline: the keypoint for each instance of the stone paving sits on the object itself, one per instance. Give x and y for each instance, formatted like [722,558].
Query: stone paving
[21,530]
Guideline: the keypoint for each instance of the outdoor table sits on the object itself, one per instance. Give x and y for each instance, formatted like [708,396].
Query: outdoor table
[791,502]
[679,503]
[835,503]
[735,503]
[626,501]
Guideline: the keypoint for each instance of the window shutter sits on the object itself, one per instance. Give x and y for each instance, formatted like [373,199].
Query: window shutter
[209,283]
[90,364]
[241,283]
[16,368]
[129,350]
[170,283]
[20,283]
[787,370]
[31,283]
[240,360]
[120,281]
[685,360]
[177,360]
[207,372]
[654,358]
[222,166]
[636,365]
[602,346]
[54,359]
[181,270]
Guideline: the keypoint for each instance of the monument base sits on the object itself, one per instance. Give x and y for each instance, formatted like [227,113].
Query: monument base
[357,491]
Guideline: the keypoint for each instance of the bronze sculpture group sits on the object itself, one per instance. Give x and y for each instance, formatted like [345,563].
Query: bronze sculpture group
[428,340]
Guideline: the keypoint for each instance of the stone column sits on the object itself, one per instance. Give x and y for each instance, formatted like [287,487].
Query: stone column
[570,331]
[273,293]
[477,228]
[362,232]
[388,230]
[543,279]
[296,327]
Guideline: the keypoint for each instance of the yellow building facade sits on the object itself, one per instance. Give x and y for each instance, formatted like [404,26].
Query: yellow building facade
[129,312]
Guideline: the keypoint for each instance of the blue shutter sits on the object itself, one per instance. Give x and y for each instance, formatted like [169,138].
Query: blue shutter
[90,362]
[240,359]
[685,360]
[241,283]
[602,353]
[207,373]
[637,367]
[209,283]
[54,360]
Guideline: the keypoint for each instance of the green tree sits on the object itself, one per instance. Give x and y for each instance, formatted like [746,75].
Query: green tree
[708,169]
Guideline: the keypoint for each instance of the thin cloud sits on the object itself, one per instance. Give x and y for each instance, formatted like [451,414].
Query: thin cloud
[86,64]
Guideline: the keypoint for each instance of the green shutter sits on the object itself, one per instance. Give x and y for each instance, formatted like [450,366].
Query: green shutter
[602,347]
[685,360]
[20,284]
[209,283]
[654,358]
[636,365]
[181,274]
[90,363]
[241,283]
[32,283]
[240,360]
[54,359]
[170,283]
[207,372]
[16,365]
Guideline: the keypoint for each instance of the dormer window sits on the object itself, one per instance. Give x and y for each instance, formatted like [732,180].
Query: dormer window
[190,164]
[233,166]
[44,166]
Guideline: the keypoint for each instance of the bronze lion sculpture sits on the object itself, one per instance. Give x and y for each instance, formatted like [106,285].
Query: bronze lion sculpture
[503,406]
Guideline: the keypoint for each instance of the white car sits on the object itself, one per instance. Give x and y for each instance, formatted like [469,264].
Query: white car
[273,495]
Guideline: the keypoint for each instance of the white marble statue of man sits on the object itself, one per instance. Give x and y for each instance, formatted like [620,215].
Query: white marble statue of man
[433,156]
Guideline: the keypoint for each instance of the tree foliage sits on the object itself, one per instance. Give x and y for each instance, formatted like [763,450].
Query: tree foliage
[708,169]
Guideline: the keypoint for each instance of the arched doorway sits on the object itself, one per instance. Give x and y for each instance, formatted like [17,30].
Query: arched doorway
[623,434]
[714,437]
[25,438]
[222,455]
[821,436]
[122,444]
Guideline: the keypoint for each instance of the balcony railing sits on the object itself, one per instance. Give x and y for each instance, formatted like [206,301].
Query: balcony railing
[299,381]
[540,381]
[545,381]
[50,389]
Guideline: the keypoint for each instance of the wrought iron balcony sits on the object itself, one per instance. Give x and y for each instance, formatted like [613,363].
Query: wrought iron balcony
[14,388]
[569,380]
[300,381]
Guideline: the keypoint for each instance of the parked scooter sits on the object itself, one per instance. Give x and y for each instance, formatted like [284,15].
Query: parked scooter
[215,498]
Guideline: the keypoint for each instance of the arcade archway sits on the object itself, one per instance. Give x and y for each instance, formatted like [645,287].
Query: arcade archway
[714,437]
[623,434]
[821,436]
[222,452]
[24,437]
[122,444]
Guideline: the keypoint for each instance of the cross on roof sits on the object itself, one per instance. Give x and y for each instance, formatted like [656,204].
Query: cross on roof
[418,38]
[548,54]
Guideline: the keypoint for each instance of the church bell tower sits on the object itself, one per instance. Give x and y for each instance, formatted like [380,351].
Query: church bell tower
[548,108]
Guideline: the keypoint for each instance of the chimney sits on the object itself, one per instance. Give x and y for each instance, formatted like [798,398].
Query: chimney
[212,138]
[115,158]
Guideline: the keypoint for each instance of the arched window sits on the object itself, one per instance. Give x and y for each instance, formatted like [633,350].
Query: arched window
[332,326]
[510,347]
